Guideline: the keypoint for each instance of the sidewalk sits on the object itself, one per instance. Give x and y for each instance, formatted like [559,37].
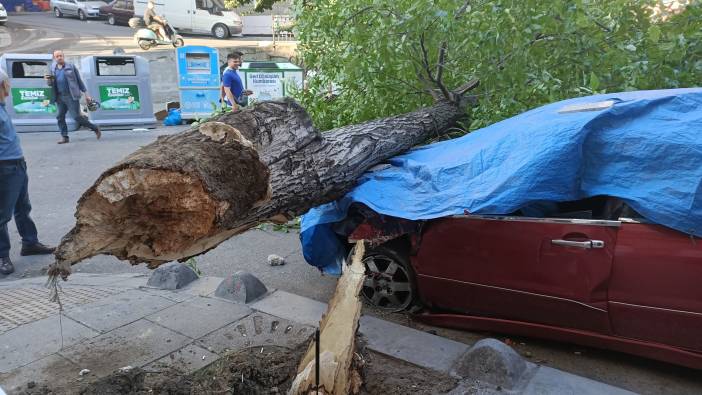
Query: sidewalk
[113,321]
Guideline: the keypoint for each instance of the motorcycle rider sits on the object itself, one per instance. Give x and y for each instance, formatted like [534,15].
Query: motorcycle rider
[154,22]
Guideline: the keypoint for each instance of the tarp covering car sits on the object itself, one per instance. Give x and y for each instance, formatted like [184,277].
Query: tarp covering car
[644,147]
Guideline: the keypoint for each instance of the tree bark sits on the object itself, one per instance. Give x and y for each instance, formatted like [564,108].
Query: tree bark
[337,340]
[186,193]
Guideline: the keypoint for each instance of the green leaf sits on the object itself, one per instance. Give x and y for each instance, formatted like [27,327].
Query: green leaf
[594,82]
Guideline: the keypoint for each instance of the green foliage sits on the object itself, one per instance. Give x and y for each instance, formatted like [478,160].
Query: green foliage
[259,5]
[192,263]
[216,111]
[293,224]
[525,52]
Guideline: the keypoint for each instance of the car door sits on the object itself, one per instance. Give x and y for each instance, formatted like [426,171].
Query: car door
[203,20]
[179,14]
[127,12]
[548,271]
[69,7]
[656,288]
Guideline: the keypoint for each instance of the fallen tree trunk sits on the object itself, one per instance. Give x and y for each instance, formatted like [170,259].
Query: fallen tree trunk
[186,193]
[337,339]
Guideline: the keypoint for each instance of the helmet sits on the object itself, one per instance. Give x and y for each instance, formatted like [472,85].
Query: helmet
[93,105]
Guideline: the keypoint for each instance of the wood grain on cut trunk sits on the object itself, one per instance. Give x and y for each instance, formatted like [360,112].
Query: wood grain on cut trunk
[186,193]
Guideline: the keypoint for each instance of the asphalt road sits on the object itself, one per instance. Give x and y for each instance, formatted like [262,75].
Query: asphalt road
[41,32]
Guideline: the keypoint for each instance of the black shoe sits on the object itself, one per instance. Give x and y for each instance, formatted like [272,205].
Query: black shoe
[36,249]
[64,140]
[6,266]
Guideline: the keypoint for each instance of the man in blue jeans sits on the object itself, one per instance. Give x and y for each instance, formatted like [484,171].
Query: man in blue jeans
[68,88]
[14,193]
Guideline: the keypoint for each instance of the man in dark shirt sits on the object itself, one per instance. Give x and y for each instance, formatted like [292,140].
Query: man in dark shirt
[68,88]
[233,89]
[14,192]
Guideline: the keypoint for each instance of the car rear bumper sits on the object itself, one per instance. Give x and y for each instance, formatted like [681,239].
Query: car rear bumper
[235,29]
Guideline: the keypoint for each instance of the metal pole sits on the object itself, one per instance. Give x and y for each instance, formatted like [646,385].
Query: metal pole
[316,360]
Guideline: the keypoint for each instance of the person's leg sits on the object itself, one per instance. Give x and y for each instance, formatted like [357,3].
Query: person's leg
[81,119]
[61,117]
[25,226]
[10,188]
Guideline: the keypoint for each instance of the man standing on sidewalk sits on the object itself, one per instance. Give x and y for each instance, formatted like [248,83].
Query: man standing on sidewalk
[14,192]
[68,87]
[233,91]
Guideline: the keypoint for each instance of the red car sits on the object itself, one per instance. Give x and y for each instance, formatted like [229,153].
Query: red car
[593,273]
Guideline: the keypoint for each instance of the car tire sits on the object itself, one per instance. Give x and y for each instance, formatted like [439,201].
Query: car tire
[391,283]
[178,42]
[220,31]
[58,13]
[81,15]
[111,20]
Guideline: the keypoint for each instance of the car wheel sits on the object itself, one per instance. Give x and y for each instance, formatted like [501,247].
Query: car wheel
[390,282]
[58,12]
[144,44]
[220,31]
[178,42]
[111,20]
[81,15]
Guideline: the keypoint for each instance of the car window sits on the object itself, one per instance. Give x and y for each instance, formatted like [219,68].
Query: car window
[119,4]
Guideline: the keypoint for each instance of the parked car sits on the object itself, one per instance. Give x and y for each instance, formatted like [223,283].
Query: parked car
[196,16]
[83,9]
[3,15]
[118,12]
[576,222]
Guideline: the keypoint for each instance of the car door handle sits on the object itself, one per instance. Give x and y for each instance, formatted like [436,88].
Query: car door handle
[579,244]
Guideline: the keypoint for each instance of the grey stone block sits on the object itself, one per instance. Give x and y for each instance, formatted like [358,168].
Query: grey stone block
[416,347]
[38,339]
[292,307]
[199,316]
[256,330]
[492,361]
[115,311]
[173,275]
[136,344]
[241,287]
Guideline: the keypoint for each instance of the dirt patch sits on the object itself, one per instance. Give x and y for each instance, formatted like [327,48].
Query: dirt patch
[259,370]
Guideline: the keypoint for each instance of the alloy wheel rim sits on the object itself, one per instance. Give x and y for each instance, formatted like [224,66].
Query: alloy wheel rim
[387,283]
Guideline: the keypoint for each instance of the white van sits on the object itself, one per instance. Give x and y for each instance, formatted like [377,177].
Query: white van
[196,16]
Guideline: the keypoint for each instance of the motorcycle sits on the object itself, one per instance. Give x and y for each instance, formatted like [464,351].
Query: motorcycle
[147,38]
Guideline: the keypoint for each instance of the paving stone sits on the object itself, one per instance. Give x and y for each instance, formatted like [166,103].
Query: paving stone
[136,281]
[204,286]
[96,279]
[186,360]
[241,287]
[38,339]
[174,275]
[292,307]
[549,381]
[199,316]
[135,344]
[255,330]
[490,360]
[54,369]
[113,312]
[417,347]
[175,296]
[23,305]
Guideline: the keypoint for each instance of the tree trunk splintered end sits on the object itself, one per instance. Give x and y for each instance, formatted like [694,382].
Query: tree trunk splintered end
[185,193]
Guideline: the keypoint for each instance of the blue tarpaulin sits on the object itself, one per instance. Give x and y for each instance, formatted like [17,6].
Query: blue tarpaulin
[644,147]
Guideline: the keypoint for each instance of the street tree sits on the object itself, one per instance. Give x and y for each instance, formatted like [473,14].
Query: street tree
[369,59]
